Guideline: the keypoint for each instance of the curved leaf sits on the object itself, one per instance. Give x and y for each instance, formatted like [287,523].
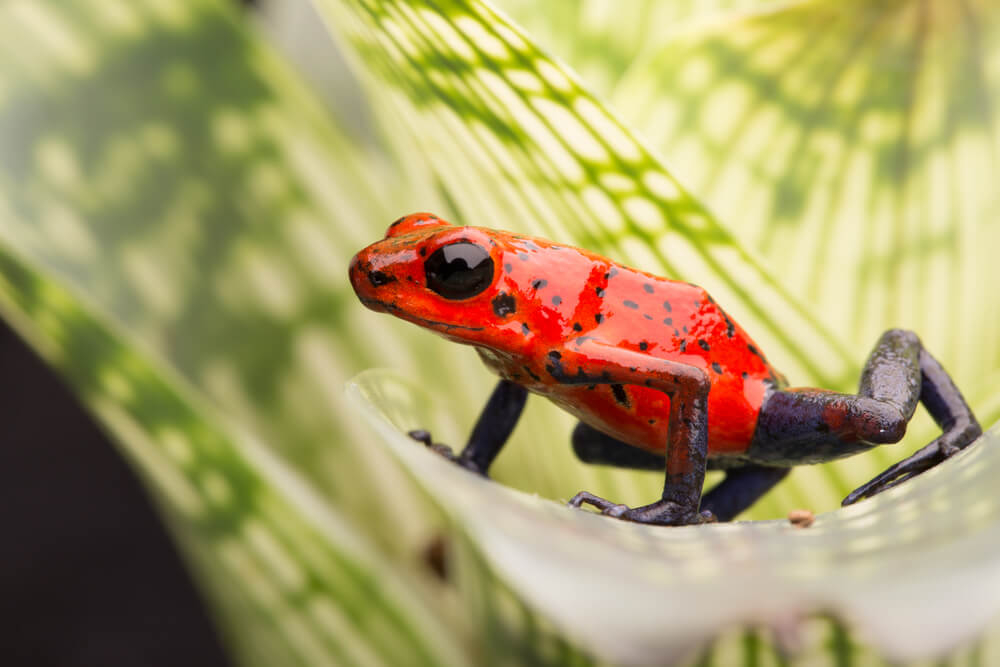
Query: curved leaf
[296,583]
[601,39]
[157,158]
[194,193]
[637,594]
[852,142]
[547,157]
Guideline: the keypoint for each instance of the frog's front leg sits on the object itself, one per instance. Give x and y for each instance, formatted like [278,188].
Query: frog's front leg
[492,430]
[590,362]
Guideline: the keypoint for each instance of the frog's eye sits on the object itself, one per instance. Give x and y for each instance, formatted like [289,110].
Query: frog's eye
[459,270]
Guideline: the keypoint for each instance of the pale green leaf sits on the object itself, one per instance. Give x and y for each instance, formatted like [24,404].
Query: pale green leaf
[833,121]
[513,136]
[600,39]
[182,203]
[853,145]
[920,556]
[176,212]
[195,194]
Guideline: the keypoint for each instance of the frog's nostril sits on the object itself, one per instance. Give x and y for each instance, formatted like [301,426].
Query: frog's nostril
[379,278]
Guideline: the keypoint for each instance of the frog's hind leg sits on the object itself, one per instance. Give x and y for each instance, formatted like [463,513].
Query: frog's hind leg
[959,428]
[811,425]
[593,446]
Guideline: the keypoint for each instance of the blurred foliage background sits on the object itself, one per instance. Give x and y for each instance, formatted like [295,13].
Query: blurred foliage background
[182,185]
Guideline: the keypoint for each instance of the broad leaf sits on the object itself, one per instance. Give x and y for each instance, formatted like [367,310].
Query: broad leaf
[853,145]
[293,582]
[176,215]
[637,594]
[513,140]
[177,212]
[602,39]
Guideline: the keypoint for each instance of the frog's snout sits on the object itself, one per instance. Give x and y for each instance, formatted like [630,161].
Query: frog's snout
[388,268]
[366,280]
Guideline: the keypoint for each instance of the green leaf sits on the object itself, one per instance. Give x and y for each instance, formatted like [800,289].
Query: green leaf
[193,192]
[636,594]
[295,583]
[601,39]
[176,215]
[852,143]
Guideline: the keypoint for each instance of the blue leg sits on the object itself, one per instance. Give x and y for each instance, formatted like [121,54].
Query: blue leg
[799,426]
[492,430]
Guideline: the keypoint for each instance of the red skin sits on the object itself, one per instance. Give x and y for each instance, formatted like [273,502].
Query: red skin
[566,306]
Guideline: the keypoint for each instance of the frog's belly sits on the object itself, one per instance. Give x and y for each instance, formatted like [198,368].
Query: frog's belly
[640,416]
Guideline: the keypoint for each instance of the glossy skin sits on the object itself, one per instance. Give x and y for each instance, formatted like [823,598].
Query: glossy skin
[656,372]
[547,297]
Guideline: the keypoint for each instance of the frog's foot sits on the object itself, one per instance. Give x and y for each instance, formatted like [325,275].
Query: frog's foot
[662,512]
[923,459]
[422,436]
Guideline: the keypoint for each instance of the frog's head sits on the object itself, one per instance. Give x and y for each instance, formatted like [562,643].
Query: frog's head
[435,274]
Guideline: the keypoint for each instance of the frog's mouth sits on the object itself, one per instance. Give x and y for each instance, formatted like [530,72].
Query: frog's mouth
[393,309]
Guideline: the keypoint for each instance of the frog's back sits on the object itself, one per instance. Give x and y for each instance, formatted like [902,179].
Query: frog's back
[537,297]
[572,294]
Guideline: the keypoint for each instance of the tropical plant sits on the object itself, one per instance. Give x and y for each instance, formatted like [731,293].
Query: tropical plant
[178,209]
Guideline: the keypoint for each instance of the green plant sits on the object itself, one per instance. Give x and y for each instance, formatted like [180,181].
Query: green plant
[178,209]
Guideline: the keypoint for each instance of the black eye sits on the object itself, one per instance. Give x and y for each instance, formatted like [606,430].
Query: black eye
[459,270]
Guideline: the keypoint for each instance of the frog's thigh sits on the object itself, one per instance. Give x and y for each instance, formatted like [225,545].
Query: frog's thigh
[797,427]
[593,446]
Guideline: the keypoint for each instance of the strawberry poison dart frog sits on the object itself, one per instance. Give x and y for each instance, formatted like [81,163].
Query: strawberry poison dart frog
[660,377]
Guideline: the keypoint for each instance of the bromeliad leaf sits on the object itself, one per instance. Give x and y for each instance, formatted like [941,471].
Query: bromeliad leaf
[642,594]
[515,141]
[601,39]
[851,142]
[160,160]
[193,192]
[293,582]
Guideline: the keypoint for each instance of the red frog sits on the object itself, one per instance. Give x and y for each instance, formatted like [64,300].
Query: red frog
[660,377]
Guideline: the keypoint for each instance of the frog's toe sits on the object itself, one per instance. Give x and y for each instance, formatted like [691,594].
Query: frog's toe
[588,498]
[424,437]
[421,435]
[663,512]
[444,450]
[668,513]
[921,460]
[616,511]
[447,452]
